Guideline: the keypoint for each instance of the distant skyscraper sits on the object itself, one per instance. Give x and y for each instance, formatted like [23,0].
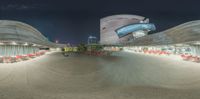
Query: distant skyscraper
[92,40]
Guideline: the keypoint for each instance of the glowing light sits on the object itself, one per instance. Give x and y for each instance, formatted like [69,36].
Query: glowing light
[14,43]
[141,21]
[26,44]
[198,43]
[1,43]
[34,45]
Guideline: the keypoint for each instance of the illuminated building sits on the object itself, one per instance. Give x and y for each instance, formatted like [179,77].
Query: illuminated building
[17,38]
[119,29]
[181,40]
[131,32]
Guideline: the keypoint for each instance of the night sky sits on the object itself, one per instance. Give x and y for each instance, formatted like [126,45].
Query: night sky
[74,20]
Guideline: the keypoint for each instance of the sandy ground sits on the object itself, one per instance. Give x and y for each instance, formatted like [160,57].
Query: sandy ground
[122,76]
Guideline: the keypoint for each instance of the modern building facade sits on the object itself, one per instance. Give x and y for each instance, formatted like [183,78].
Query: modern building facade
[118,29]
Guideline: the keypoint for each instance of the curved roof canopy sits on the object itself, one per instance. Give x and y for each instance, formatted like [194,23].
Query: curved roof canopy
[122,31]
[20,32]
[185,33]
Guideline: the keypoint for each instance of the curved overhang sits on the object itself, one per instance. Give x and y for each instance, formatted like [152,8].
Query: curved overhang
[187,33]
[22,33]
[123,16]
[125,30]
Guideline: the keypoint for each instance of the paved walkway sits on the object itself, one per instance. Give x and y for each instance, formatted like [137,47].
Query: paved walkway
[123,76]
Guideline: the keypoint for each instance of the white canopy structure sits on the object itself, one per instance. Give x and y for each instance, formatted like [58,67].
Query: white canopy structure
[17,38]
[187,34]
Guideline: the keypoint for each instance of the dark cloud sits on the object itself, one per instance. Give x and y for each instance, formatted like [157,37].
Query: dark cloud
[18,7]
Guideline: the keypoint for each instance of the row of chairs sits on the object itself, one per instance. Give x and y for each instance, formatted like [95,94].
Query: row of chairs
[157,52]
[188,57]
[185,57]
[18,58]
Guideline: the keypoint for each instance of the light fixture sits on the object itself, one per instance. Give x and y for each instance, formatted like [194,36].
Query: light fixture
[1,43]
[26,44]
[14,43]
[34,45]
[141,21]
[198,43]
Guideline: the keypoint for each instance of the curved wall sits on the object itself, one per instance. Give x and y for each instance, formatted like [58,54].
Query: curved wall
[184,33]
[21,32]
[17,38]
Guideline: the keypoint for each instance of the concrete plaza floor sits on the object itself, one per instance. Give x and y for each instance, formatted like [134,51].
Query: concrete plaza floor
[121,76]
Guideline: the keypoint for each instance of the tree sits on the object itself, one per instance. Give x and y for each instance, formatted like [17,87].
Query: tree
[82,47]
[97,47]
